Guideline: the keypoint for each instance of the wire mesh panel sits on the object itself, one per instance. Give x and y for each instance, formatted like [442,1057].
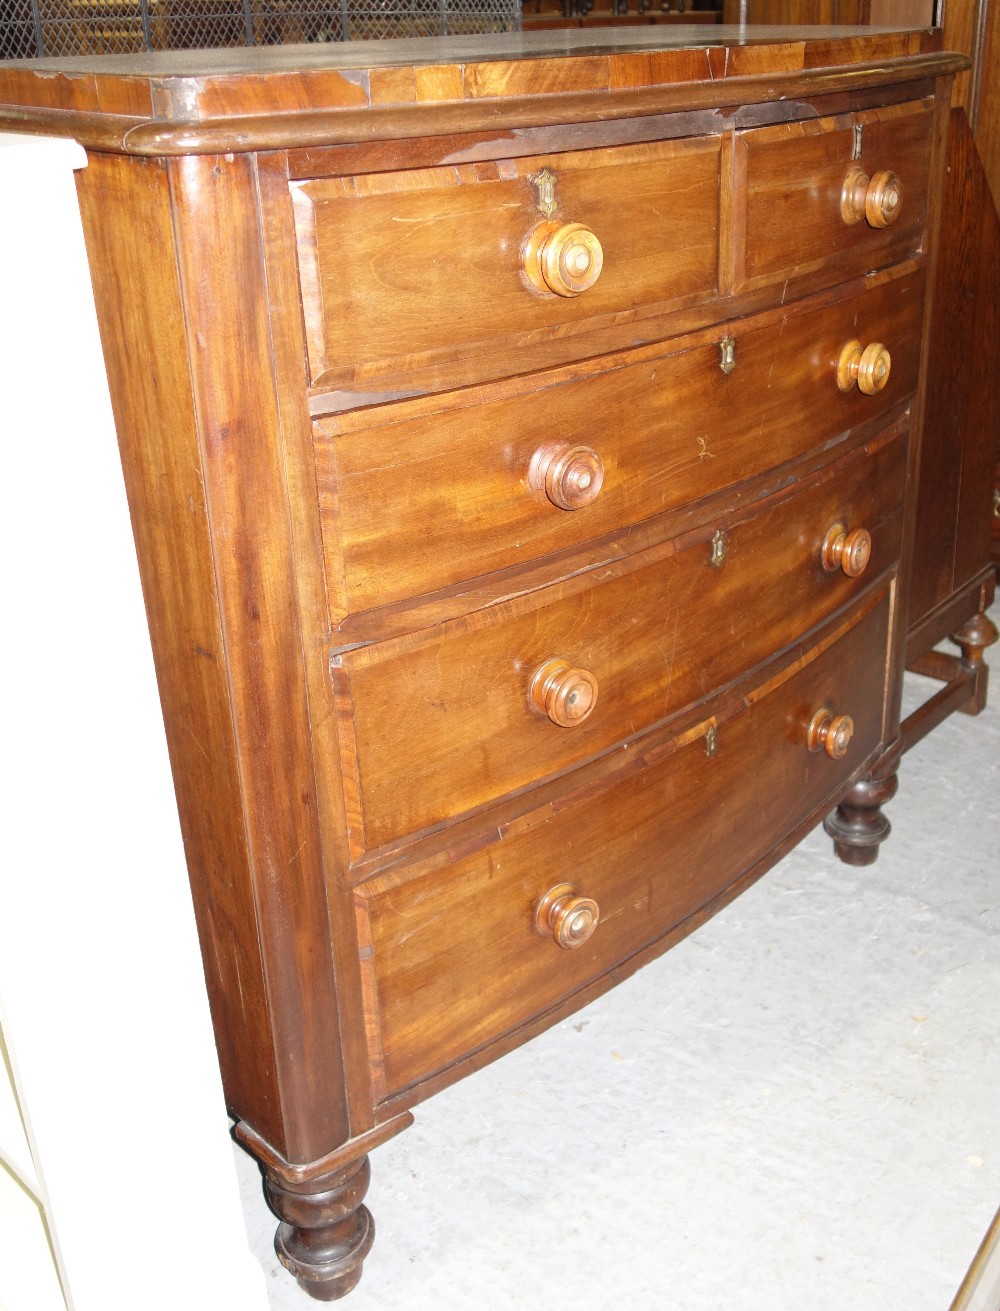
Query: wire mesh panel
[32,28]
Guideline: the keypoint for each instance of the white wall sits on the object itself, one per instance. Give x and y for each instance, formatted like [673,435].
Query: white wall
[103,1000]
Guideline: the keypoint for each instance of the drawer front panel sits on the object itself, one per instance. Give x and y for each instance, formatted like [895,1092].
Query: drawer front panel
[795,177]
[444,721]
[453,486]
[401,269]
[455,957]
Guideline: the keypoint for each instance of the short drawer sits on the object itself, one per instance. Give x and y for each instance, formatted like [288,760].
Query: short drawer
[447,720]
[807,205]
[453,956]
[405,273]
[416,501]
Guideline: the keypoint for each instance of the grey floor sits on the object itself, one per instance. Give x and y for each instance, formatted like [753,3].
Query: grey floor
[795,1108]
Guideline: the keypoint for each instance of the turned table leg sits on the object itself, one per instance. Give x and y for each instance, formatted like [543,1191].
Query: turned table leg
[325,1233]
[975,635]
[858,826]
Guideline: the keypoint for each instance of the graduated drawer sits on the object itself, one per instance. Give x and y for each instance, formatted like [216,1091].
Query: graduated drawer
[404,272]
[447,720]
[452,957]
[793,178]
[418,498]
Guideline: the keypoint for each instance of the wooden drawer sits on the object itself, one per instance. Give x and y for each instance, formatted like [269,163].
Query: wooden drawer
[451,956]
[451,479]
[794,177]
[399,270]
[443,720]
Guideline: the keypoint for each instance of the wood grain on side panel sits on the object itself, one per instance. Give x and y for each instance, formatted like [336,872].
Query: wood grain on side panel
[127,220]
[963,397]
[225,294]
[306,542]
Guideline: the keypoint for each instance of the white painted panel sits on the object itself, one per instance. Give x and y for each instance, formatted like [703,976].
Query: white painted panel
[100,975]
[28,1278]
[14,1149]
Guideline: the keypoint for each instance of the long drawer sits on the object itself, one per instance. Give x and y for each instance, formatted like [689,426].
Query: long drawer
[400,269]
[453,955]
[415,498]
[448,720]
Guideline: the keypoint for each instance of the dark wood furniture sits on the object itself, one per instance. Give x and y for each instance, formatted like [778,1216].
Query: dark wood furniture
[522,441]
[974,28]
[954,507]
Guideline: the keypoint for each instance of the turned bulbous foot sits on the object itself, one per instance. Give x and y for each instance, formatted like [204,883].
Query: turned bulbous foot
[975,635]
[325,1233]
[858,826]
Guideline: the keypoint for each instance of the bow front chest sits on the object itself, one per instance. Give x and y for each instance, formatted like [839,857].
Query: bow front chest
[521,440]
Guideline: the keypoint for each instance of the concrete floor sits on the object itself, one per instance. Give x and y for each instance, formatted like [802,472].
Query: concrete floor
[795,1108]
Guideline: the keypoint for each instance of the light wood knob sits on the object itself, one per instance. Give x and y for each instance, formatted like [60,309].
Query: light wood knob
[570,476]
[876,199]
[566,917]
[845,550]
[868,366]
[563,694]
[565,258]
[830,733]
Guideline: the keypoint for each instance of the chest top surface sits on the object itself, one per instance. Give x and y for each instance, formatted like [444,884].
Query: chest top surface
[201,101]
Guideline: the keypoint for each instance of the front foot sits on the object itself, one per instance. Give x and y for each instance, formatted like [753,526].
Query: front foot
[325,1233]
[858,826]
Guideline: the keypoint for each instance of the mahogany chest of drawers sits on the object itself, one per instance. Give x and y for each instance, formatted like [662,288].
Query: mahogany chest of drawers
[521,438]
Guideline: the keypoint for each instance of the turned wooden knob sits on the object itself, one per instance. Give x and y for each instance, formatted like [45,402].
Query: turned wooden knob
[569,919]
[845,550]
[570,476]
[830,733]
[876,199]
[563,257]
[868,366]
[563,694]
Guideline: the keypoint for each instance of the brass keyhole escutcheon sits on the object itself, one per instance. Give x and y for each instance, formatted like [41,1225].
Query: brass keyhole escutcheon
[545,182]
[727,355]
[719,545]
